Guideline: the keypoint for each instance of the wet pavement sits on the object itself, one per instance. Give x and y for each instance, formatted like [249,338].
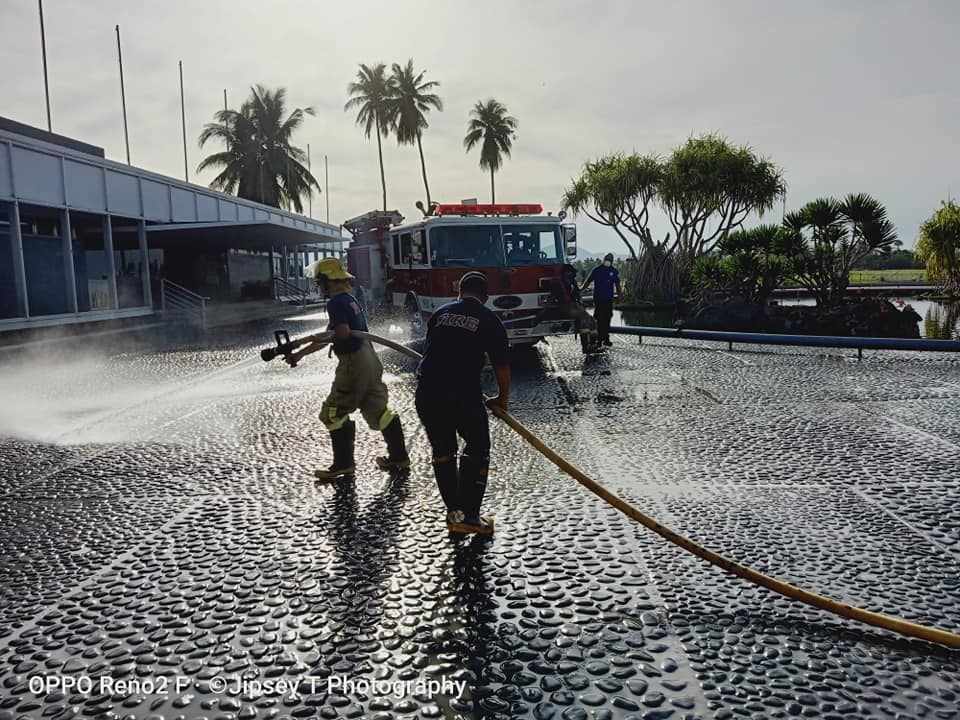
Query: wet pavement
[161,536]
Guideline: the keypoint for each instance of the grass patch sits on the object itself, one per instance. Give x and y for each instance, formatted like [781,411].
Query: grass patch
[900,275]
[875,277]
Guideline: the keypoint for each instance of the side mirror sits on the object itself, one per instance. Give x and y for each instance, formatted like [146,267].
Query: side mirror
[570,240]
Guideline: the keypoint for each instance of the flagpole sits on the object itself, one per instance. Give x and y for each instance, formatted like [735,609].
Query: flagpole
[183,120]
[123,97]
[326,185]
[43,50]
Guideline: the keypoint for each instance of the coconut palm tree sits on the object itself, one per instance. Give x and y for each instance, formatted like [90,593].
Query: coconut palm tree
[259,162]
[407,107]
[494,130]
[371,94]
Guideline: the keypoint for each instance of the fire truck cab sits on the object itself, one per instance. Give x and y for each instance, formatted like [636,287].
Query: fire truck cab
[520,250]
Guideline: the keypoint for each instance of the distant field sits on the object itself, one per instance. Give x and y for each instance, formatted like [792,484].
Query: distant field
[877,276]
[868,277]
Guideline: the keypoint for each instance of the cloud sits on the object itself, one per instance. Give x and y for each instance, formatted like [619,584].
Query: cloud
[847,97]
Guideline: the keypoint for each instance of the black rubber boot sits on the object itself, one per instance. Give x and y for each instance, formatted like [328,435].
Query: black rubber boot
[396,456]
[471,487]
[343,465]
[589,342]
[446,473]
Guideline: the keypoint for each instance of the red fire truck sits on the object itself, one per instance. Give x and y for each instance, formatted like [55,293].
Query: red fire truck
[414,268]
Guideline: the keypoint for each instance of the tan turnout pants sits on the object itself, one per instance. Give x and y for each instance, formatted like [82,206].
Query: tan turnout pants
[357,384]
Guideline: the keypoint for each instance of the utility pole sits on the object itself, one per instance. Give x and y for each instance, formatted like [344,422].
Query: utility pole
[123,98]
[183,120]
[43,50]
[310,196]
[225,122]
[326,185]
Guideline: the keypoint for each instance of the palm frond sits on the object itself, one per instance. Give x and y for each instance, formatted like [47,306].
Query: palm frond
[491,127]
[260,162]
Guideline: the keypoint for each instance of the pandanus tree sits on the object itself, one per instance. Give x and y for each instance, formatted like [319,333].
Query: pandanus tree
[260,162]
[371,96]
[407,108]
[706,187]
[617,191]
[829,237]
[709,188]
[939,246]
[494,131]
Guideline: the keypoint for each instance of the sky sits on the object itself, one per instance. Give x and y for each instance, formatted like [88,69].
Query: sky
[844,95]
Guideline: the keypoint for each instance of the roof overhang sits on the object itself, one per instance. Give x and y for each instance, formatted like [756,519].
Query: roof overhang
[238,235]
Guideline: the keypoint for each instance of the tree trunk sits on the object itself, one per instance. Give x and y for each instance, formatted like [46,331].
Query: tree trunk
[423,167]
[657,277]
[493,194]
[383,178]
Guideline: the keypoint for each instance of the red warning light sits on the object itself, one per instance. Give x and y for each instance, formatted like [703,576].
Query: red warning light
[490,209]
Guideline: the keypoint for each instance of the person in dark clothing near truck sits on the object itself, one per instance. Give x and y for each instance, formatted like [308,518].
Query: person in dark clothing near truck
[606,287]
[449,400]
[572,302]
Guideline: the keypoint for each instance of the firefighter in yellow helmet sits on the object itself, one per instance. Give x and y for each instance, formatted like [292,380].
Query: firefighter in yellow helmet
[358,382]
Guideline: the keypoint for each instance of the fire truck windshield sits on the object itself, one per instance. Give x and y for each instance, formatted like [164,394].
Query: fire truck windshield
[494,245]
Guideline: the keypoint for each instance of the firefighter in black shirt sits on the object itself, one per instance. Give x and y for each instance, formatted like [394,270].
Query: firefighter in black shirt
[450,402]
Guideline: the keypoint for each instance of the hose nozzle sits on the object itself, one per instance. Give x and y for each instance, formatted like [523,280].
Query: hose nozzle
[284,346]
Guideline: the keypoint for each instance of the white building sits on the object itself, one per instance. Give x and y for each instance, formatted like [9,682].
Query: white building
[83,238]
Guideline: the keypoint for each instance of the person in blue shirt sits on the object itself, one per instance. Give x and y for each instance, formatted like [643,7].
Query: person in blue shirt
[606,288]
[449,400]
[357,382]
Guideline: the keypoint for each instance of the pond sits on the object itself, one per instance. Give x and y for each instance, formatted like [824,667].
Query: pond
[940,320]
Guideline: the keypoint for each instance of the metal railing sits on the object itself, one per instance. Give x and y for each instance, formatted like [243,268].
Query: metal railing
[859,343]
[178,301]
[290,292]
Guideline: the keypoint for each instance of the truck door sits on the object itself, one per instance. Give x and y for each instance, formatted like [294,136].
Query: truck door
[419,262]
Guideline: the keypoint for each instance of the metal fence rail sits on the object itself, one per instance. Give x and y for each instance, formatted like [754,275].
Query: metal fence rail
[287,291]
[178,301]
[860,343]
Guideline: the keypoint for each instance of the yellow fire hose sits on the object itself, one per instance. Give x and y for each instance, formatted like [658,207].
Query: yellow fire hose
[887,622]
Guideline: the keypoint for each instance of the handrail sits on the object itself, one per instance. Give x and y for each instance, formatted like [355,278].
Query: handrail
[860,343]
[289,289]
[182,289]
[186,301]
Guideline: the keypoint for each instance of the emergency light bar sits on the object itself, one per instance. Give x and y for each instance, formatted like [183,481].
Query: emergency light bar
[494,209]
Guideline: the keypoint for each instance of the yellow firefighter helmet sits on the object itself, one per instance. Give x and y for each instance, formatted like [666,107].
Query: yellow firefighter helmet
[331,268]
